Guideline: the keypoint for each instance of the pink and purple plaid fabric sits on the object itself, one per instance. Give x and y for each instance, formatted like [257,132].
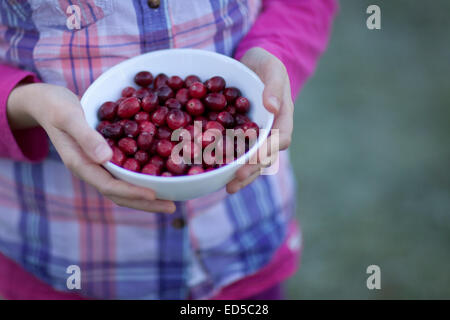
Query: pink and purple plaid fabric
[49,219]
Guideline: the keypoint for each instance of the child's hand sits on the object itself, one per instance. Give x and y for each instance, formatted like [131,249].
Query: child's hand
[81,148]
[277,99]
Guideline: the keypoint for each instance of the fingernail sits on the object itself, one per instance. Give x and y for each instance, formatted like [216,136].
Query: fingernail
[102,152]
[274,102]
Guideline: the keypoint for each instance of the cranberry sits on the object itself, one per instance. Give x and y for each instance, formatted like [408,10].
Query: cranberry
[214,125]
[159,116]
[175,119]
[118,156]
[215,84]
[141,93]
[164,93]
[192,150]
[197,90]
[113,131]
[164,148]
[157,161]
[166,174]
[175,82]
[231,94]
[216,101]
[230,109]
[212,116]
[144,141]
[160,80]
[128,92]
[102,124]
[226,119]
[141,157]
[240,119]
[242,105]
[147,126]
[150,169]
[253,126]
[203,120]
[131,164]
[110,142]
[209,137]
[150,102]
[195,170]
[143,78]
[164,133]
[152,149]
[182,96]
[195,107]
[175,168]
[142,116]
[190,80]
[188,118]
[107,111]
[128,108]
[128,146]
[130,128]
[173,104]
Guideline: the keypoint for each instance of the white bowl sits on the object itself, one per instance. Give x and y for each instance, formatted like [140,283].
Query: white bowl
[181,62]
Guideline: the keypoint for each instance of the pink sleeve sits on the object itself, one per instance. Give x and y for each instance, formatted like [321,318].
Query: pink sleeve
[295,31]
[21,145]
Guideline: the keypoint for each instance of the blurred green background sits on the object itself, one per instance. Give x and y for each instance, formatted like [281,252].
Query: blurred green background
[371,156]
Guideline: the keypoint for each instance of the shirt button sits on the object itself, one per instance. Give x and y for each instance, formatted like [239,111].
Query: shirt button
[154,4]
[178,223]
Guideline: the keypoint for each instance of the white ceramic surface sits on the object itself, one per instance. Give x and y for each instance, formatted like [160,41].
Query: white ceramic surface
[181,62]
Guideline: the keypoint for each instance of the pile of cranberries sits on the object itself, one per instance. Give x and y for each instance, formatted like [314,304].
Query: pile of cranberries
[139,125]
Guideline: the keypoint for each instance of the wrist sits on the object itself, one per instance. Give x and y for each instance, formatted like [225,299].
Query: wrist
[18,107]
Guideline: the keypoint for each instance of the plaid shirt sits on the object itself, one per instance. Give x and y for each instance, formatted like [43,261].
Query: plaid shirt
[50,220]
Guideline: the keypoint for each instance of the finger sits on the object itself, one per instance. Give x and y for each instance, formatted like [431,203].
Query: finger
[92,143]
[275,83]
[236,185]
[284,122]
[247,170]
[155,206]
[94,174]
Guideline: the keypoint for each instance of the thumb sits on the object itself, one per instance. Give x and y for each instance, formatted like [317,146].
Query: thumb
[90,141]
[273,91]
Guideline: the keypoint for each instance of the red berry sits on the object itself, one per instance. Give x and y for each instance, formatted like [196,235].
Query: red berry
[130,128]
[226,119]
[128,146]
[164,148]
[176,168]
[192,150]
[164,93]
[107,111]
[197,90]
[173,104]
[215,84]
[112,130]
[230,109]
[128,92]
[102,124]
[157,161]
[195,107]
[143,78]
[110,142]
[190,80]
[240,119]
[131,164]
[216,101]
[160,80]
[214,125]
[164,133]
[203,120]
[150,169]
[176,119]
[242,105]
[150,102]
[175,82]
[142,116]
[141,93]
[212,116]
[128,108]
[159,116]
[195,170]
[209,137]
[231,94]
[118,156]
[147,126]
[183,96]
[144,141]
[141,157]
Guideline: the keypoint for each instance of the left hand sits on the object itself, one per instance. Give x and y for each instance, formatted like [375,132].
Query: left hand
[277,99]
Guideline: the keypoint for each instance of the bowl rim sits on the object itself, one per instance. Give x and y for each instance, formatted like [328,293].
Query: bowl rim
[186,178]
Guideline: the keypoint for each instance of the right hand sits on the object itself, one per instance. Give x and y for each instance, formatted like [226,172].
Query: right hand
[82,149]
